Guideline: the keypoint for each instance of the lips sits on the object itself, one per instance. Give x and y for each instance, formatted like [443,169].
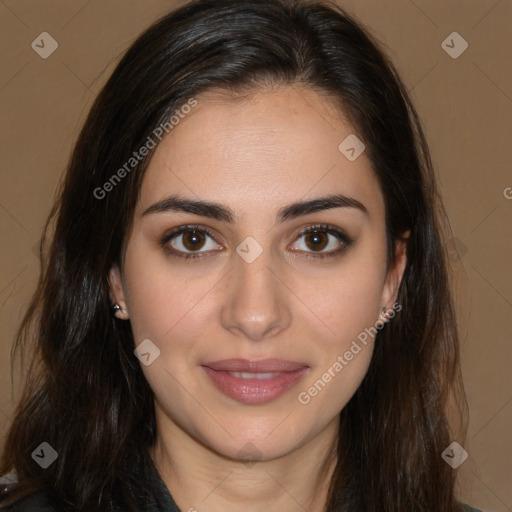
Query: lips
[262,366]
[254,382]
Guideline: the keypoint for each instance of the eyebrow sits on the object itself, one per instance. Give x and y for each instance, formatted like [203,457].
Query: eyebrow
[223,213]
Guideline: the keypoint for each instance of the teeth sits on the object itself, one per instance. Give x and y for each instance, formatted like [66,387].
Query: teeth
[246,375]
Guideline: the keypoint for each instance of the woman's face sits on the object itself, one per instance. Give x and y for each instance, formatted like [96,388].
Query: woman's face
[258,333]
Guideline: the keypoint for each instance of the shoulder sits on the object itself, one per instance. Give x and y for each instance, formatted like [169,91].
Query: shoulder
[38,502]
[41,502]
[467,508]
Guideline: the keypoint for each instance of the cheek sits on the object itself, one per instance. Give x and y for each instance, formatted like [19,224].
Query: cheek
[166,305]
[347,300]
[348,306]
[150,294]
[170,310]
[149,301]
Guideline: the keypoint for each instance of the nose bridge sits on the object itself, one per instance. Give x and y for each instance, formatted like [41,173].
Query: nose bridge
[256,303]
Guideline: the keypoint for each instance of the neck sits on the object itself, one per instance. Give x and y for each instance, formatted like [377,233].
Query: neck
[199,478]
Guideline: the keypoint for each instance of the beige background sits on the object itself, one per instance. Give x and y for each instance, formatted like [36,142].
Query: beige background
[466,106]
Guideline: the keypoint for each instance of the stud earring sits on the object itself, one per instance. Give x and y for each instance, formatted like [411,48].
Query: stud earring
[115,308]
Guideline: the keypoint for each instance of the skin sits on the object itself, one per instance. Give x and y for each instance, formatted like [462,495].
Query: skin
[255,155]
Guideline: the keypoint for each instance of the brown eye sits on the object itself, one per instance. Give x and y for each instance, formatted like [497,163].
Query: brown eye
[190,242]
[193,239]
[316,240]
[321,241]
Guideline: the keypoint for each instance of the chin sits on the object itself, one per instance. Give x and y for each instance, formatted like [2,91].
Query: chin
[256,443]
[250,451]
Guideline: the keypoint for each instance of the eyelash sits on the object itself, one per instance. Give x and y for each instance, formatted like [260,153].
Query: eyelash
[331,230]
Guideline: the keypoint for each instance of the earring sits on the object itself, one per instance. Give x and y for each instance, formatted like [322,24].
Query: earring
[384,313]
[116,308]
[123,312]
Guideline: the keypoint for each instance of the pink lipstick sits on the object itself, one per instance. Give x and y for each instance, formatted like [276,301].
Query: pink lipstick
[254,382]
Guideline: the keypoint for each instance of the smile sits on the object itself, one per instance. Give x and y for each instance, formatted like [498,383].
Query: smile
[254,382]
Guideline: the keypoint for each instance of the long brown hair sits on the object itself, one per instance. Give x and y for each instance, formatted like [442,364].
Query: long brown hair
[86,394]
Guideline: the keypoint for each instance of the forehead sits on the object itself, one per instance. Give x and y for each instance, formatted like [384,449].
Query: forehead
[268,148]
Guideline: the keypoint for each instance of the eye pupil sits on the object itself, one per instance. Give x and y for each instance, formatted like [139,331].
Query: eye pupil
[193,239]
[319,240]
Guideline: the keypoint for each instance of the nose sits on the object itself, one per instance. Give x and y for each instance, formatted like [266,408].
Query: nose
[255,305]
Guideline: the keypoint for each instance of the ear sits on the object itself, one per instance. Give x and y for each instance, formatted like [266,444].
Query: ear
[394,275]
[116,292]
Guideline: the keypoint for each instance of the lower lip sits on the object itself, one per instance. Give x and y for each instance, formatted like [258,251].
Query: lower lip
[254,391]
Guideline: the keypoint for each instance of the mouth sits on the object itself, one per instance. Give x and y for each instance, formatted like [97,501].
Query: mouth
[254,382]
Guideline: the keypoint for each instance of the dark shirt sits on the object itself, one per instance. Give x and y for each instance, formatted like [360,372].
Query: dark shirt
[41,502]
[163,502]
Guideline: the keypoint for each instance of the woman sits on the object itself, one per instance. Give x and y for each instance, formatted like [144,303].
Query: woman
[245,302]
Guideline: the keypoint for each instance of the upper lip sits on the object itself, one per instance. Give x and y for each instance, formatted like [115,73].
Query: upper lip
[251,366]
